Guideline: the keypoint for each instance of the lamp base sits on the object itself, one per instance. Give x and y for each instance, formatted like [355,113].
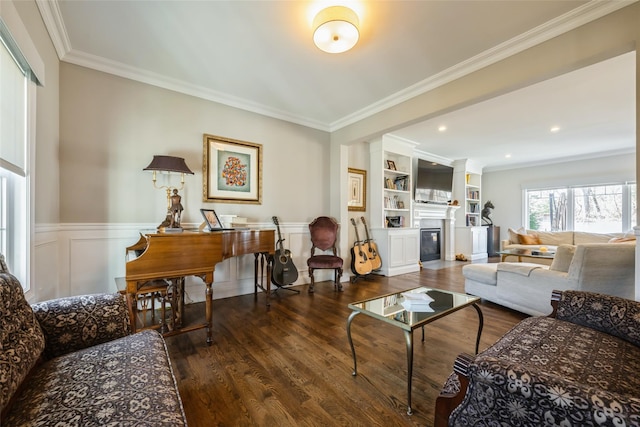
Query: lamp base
[170,230]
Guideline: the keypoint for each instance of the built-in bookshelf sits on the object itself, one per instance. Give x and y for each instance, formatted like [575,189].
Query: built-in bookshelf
[396,201]
[390,169]
[472,199]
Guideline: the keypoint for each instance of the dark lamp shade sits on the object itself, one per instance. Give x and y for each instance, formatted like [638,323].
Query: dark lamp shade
[168,164]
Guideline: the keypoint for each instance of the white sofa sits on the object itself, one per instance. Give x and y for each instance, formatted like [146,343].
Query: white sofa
[607,268]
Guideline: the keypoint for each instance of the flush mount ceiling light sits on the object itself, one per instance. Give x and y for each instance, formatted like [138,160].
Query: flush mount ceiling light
[336,29]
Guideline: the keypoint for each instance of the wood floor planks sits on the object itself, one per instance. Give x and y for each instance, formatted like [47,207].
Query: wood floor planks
[291,365]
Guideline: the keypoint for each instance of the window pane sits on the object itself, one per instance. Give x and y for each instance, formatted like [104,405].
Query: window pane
[634,206]
[14,227]
[598,209]
[547,209]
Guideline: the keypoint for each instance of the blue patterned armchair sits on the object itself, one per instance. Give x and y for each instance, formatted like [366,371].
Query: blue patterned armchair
[73,361]
[578,367]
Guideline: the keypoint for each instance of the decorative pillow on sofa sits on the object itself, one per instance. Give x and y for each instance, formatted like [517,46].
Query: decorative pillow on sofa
[562,259]
[529,239]
[630,239]
[513,234]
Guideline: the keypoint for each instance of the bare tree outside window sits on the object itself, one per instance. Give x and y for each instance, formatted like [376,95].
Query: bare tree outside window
[608,208]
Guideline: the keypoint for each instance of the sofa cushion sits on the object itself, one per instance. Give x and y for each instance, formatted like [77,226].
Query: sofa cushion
[551,372]
[520,268]
[615,316]
[582,237]
[554,238]
[21,339]
[3,265]
[562,259]
[78,322]
[125,382]
[483,273]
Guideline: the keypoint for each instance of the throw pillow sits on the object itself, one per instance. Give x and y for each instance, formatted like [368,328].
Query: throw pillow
[529,239]
[623,240]
[513,234]
[562,259]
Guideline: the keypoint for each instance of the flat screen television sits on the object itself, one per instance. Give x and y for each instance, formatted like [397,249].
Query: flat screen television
[434,183]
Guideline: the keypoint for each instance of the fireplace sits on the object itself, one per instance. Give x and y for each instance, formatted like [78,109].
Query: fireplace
[429,244]
[427,216]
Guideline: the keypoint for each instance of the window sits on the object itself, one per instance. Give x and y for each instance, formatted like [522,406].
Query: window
[15,107]
[606,208]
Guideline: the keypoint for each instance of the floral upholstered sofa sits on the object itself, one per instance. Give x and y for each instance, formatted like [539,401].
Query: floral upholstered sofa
[578,367]
[73,362]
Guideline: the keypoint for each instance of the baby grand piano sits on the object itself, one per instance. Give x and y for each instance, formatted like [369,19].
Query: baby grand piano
[175,255]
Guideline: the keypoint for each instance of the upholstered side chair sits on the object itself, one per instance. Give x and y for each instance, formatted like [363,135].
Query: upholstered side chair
[324,234]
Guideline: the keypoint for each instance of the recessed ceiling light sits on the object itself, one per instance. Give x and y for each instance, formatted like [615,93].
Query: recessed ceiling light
[507,156]
[554,129]
[442,128]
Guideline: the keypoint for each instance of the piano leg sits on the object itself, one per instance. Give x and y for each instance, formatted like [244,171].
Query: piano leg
[262,258]
[208,303]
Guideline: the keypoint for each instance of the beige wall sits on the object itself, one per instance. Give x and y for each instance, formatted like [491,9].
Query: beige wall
[111,127]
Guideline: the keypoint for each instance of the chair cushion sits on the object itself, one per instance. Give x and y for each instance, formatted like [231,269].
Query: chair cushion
[125,382]
[324,261]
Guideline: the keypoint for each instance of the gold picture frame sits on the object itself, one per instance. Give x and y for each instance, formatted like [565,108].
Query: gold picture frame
[231,171]
[357,190]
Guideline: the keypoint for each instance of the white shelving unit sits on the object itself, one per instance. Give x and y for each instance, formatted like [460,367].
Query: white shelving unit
[471,237]
[396,203]
[391,206]
[472,200]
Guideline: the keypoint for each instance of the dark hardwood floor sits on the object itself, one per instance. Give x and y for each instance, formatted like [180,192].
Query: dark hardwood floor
[291,365]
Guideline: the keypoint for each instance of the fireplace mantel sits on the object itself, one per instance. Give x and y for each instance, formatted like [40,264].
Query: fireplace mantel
[433,211]
[425,213]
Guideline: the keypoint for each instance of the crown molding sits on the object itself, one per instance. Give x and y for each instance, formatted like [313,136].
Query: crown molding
[569,21]
[50,12]
[594,9]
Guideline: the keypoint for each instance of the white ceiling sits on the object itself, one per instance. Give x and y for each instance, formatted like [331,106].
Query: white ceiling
[259,56]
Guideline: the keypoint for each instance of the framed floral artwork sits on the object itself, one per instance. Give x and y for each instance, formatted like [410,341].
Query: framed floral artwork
[231,171]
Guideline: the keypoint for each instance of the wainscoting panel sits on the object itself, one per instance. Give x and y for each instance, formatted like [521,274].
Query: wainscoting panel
[46,267]
[76,259]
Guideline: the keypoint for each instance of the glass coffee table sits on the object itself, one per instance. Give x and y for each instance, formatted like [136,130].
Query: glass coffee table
[409,310]
[550,253]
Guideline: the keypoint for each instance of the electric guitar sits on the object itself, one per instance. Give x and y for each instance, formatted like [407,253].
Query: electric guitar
[371,248]
[284,271]
[360,264]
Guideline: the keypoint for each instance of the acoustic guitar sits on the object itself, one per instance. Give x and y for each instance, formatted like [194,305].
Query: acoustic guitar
[371,248]
[284,271]
[360,264]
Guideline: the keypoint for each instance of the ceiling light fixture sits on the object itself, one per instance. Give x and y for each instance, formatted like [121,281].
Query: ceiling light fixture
[555,129]
[442,128]
[335,29]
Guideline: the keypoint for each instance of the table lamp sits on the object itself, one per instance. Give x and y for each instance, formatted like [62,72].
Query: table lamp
[174,205]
